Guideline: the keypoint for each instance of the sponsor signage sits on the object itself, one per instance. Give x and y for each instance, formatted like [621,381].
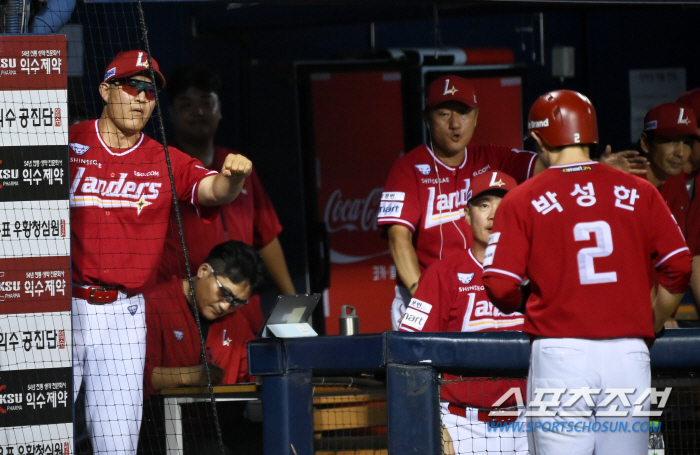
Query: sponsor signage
[34,341]
[36,397]
[35,320]
[34,285]
[40,173]
[34,229]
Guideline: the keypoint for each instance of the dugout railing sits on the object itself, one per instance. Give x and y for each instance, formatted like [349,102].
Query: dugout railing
[411,364]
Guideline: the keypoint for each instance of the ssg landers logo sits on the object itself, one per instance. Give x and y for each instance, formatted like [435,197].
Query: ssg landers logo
[95,192]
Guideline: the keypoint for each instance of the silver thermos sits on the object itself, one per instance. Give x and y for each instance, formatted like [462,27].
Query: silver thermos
[349,323]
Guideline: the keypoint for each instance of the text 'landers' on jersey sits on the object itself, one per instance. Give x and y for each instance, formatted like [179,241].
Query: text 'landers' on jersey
[451,298]
[120,206]
[429,197]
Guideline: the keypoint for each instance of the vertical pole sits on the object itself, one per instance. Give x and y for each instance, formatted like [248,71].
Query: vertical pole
[288,414]
[413,410]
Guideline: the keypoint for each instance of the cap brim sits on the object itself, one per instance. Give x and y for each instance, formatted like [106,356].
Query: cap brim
[489,191]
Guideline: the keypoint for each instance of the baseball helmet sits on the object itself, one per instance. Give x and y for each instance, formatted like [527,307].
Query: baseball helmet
[564,117]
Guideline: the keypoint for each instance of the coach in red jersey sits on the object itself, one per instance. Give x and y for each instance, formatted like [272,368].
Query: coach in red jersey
[585,235]
[195,111]
[451,298]
[667,139]
[422,206]
[120,198]
[691,177]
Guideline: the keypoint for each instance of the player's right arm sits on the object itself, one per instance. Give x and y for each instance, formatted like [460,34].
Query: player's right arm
[404,255]
[168,377]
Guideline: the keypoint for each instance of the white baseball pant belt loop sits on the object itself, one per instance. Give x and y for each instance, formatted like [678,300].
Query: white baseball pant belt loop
[109,352]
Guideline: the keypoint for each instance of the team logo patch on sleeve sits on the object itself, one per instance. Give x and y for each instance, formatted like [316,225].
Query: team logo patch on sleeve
[389,209]
[79,149]
[423,168]
[465,278]
[393,196]
[178,335]
[414,319]
[420,305]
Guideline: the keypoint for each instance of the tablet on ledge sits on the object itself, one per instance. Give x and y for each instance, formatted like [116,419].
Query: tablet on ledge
[290,317]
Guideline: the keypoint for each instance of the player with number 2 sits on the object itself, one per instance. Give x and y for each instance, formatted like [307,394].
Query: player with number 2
[585,235]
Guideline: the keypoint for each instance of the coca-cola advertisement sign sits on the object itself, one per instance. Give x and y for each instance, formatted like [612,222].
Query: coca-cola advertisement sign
[352,169]
[345,218]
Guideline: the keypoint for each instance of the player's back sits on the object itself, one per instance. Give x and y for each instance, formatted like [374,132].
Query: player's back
[590,232]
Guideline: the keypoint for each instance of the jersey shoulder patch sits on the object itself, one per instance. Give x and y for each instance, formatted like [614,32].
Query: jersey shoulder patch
[79,149]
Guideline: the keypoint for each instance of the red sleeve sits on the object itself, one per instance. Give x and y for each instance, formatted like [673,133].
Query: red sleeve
[188,172]
[670,255]
[424,312]
[400,202]
[504,293]
[266,225]
[519,164]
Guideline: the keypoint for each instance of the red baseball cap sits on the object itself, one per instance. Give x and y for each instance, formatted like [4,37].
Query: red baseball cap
[671,120]
[497,182]
[692,100]
[450,88]
[128,63]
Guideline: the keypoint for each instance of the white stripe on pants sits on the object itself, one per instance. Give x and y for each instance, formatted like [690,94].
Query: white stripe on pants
[109,352]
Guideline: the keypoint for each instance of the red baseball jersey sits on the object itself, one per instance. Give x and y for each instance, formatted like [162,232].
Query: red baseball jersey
[451,298]
[585,235]
[429,197]
[692,225]
[677,198]
[172,339]
[250,218]
[120,206]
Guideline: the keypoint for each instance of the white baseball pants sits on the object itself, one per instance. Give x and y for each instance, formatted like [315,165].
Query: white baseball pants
[573,364]
[470,436]
[109,352]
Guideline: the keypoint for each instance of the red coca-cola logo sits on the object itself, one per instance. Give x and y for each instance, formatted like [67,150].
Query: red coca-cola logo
[352,214]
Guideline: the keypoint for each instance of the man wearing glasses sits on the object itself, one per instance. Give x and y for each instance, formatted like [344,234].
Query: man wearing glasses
[222,285]
[231,274]
[120,199]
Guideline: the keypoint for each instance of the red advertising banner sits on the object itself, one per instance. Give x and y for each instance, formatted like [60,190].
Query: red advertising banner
[33,62]
[358,131]
[34,285]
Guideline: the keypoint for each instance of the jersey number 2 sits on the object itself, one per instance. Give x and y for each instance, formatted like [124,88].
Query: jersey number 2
[604,247]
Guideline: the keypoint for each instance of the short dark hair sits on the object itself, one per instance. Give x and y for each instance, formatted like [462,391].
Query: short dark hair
[239,263]
[197,76]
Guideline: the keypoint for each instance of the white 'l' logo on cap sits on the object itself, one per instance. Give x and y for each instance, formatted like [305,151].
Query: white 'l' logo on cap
[450,91]
[140,63]
[500,182]
[686,120]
